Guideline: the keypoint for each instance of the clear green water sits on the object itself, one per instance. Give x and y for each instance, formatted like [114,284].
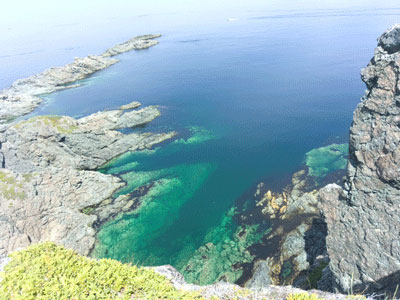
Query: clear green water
[321,161]
[248,99]
[130,236]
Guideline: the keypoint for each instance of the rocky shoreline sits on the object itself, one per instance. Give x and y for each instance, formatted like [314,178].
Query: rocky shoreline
[23,96]
[50,191]
[48,182]
[48,178]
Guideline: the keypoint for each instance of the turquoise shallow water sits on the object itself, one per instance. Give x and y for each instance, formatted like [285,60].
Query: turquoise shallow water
[248,99]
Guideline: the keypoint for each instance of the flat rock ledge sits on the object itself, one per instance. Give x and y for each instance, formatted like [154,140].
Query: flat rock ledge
[364,218]
[23,96]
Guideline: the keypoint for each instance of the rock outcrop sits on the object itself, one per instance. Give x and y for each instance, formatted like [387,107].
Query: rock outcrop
[24,95]
[47,183]
[364,218]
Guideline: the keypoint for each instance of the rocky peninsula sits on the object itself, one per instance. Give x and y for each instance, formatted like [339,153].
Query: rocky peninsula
[23,96]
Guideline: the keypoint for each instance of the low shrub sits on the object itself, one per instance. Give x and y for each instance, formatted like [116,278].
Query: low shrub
[47,271]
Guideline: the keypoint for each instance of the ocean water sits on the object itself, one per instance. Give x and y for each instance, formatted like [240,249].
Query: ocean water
[248,96]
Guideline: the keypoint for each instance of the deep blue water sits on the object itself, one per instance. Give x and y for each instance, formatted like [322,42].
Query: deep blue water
[261,92]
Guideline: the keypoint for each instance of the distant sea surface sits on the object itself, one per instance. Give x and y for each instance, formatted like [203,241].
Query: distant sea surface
[250,87]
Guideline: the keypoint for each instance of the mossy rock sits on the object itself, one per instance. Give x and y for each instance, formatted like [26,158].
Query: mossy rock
[10,187]
[47,271]
[62,124]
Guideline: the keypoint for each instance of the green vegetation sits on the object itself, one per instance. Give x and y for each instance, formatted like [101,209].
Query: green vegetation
[303,296]
[322,161]
[46,271]
[88,210]
[28,176]
[7,178]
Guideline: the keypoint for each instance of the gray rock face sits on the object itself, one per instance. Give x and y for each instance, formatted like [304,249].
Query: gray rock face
[364,219]
[24,95]
[390,40]
[46,184]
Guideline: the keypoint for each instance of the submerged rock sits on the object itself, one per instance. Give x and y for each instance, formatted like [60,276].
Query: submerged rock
[274,238]
[363,219]
[220,260]
[24,94]
[291,212]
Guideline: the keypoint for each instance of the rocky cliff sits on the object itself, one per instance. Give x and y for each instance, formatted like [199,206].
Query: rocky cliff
[364,218]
